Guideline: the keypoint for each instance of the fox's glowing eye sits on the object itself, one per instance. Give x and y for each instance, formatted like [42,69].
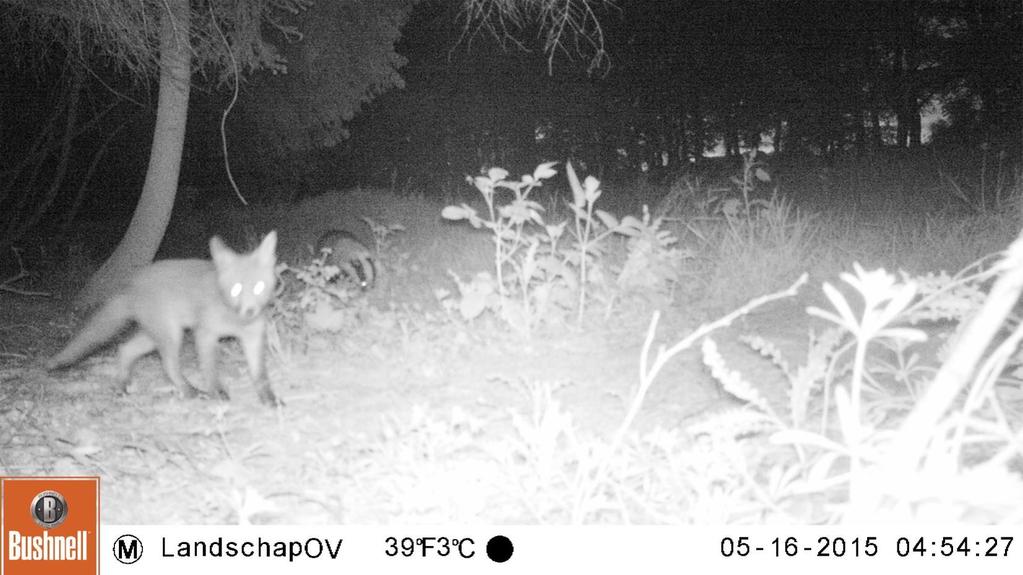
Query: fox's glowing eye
[236,290]
[259,287]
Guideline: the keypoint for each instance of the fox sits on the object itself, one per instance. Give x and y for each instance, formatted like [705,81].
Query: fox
[352,257]
[226,296]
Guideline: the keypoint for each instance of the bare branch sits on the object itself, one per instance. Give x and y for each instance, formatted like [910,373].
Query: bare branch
[562,23]
[125,31]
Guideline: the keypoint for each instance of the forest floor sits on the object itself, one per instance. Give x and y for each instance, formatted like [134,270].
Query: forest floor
[380,425]
[407,415]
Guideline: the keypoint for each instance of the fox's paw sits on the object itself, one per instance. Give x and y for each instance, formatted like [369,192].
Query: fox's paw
[188,392]
[46,364]
[267,398]
[120,385]
[217,393]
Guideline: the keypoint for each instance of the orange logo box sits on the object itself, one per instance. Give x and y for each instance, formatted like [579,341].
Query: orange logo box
[49,525]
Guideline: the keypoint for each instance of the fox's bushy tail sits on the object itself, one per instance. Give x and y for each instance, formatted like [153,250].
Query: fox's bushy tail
[105,323]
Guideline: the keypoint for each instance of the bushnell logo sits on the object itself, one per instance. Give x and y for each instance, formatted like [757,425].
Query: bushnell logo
[49,525]
[49,509]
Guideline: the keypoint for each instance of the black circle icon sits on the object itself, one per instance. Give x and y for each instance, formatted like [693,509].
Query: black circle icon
[127,549]
[500,549]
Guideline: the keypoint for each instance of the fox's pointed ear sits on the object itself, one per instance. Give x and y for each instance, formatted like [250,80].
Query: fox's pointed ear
[219,251]
[268,247]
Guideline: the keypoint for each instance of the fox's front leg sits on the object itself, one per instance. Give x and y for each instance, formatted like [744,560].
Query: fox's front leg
[206,346]
[253,340]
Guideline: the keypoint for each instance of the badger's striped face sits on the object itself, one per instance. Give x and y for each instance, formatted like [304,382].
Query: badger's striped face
[351,256]
[362,271]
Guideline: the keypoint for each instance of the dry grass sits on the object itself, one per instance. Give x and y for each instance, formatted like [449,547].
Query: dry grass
[416,415]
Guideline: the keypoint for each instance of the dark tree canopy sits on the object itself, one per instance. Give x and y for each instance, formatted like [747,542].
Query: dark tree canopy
[685,78]
[345,59]
[126,32]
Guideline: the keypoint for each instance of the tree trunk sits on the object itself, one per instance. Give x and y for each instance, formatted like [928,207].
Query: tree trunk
[148,224]
[915,127]
[731,138]
[876,136]
[680,143]
[699,128]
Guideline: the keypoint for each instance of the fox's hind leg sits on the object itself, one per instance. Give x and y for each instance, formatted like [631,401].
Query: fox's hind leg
[169,347]
[128,353]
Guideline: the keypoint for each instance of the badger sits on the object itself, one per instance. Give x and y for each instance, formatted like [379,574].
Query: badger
[352,257]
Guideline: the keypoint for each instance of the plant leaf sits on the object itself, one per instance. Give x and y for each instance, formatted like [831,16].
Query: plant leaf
[578,196]
[607,219]
[842,307]
[545,170]
[484,184]
[592,188]
[632,222]
[454,213]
